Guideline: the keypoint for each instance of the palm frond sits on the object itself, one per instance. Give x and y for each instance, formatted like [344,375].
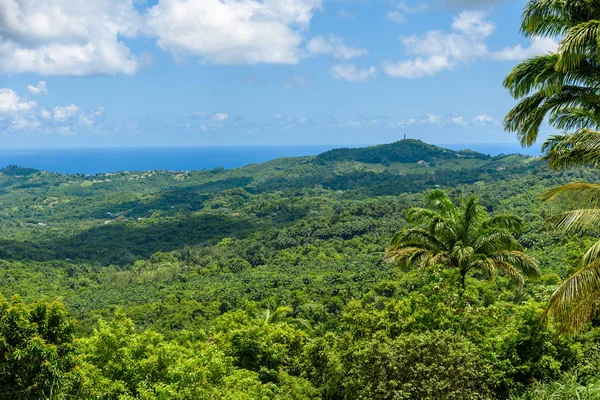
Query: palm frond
[473,214]
[522,261]
[580,42]
[592,255]
[573,150]
[544,18]
[527,116]
[418,215]
[512,223]
[496,242]
[463,255]
[407,256]
[414,237]
[579,314]
[532,73]
[569,119]
[441,258]
[576,192]
[488,265]
[574,221]
[438,200]
[510,272]
[575,299]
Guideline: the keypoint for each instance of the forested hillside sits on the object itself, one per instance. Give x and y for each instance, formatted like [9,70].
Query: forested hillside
[272,281]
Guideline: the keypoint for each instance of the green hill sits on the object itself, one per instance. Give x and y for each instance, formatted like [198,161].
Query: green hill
[402,151]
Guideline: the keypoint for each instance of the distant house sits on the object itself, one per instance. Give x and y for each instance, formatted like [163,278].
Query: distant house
[423,163]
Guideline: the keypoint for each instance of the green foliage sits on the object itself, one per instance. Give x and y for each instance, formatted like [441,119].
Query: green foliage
[431,365]
[465,238]
[37,357]
[269,281]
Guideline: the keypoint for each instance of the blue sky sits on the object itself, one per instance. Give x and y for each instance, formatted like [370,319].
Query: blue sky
[92,73]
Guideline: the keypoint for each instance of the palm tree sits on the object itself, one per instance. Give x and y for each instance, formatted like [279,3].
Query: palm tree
[464,237]
[563,86]
[576,301]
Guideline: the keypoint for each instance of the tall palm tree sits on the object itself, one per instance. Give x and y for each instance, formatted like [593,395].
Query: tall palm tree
[576,301]
[564,86]
[464,237]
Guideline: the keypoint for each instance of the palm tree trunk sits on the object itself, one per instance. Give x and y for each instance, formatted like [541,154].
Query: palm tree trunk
[463,276]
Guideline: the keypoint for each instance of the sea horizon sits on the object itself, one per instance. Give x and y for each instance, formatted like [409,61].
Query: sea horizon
[95,160]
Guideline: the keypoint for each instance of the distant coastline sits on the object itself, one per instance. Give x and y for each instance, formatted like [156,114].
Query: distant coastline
[99,160]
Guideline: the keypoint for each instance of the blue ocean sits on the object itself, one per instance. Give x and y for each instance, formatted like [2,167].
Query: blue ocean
[98,160]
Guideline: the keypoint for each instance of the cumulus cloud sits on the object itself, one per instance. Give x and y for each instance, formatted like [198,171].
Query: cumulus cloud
[88,119]
[67,37]
[61,114]
[458,119]
[334,46]
[431,119]
[40,88]
[16,112]
[437,51]
[234,31]
[46,114]
[485,119]
[12,103]
[351,73]
[82,37]
[538,45]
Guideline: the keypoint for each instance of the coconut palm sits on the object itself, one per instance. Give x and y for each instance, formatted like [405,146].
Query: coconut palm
[563,86]
[464,237]
[576,301]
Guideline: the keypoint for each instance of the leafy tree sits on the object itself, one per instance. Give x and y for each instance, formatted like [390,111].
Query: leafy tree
[465,238]
[431,365]
[37,357]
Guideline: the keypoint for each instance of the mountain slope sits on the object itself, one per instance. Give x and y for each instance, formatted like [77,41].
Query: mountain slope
[402,151]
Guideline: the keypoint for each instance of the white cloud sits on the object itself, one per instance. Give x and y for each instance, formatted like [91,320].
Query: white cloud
[431,119]
[220,116]
[88,119]
[417,68]
[485,119]
[538,45]
[61,114]
[233,31]
[459,120]
[46,114]
[40,88]
[11,102]
[335,46]
[16,112]
[67,37]
[437,51]
[349,72]
[473,23]
[398,14]
[25,122]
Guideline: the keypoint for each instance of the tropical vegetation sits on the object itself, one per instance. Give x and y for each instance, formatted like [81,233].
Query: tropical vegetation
[281,281]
